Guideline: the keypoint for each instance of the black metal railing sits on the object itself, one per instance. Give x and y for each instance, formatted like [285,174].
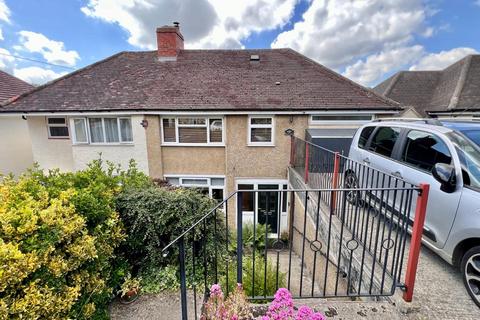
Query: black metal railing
[355,250]
[343,233]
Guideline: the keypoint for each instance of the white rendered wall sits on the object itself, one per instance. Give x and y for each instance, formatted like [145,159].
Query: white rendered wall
[15,146]
[118,153]
[49,153]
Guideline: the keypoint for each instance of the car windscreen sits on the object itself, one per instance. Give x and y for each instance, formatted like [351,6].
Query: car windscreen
[473,135]
[469,154]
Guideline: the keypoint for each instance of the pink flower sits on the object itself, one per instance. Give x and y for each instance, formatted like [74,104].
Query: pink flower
[304,313]
[216,291]
[317,316]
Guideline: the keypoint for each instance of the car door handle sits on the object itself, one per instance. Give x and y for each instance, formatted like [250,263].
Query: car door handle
[397,174]
[366,161]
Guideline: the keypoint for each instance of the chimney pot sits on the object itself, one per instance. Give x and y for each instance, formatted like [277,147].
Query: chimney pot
[169,42]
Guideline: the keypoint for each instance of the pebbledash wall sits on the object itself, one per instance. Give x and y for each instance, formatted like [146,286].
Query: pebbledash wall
[63,154]
[234,160]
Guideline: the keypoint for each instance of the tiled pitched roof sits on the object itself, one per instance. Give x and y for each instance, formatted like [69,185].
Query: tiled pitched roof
[11,87]
[456,88]
[202,80]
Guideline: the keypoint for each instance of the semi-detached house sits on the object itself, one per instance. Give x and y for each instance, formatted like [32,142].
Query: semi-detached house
[212,119]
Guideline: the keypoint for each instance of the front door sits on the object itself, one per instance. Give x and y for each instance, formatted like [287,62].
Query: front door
[268,206]
[265,207]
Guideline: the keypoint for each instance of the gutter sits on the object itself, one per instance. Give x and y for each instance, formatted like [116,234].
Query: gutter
[194,112]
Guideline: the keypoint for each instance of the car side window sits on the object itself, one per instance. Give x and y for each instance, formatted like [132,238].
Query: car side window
[384,141]
[423,150]
[364,136]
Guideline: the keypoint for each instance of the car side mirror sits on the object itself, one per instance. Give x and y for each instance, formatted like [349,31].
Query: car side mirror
[445,174]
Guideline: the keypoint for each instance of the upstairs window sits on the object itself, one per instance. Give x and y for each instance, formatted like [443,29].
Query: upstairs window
[57,128]
[192,131]
[261,131]
[102,130]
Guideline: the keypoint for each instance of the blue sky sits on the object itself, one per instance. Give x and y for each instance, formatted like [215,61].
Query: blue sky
[366,40]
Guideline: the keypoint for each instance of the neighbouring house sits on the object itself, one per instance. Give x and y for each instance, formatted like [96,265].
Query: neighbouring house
[211,119]
[15,146]
[451,92]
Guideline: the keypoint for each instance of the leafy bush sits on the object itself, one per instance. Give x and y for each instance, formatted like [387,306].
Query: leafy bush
[258,277]
[255,239]
[155,280]
[153,217]
[58,235]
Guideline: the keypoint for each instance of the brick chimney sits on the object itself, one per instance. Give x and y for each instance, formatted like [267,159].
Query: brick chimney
[169,42]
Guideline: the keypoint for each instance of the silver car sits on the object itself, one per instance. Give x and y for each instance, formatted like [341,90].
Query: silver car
[445,155]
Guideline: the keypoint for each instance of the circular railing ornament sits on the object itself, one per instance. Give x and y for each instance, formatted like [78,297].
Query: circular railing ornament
[352,244]
[388,244]
[316,246]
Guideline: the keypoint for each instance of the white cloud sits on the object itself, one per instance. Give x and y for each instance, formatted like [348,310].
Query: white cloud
[51,50]
[338,32]
[36,75]
[204,23]
[6,61]
[4,12]
[4,15]
[441,60]
[371,69]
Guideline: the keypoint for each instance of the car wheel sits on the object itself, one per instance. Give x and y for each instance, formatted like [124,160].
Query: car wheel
[470,268]
[351,182]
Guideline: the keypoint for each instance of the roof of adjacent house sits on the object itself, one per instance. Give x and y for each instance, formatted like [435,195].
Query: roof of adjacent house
[454,89]
[202,80]
[11,87]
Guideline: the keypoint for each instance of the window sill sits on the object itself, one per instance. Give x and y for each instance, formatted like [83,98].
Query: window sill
[251,144]
[126,144]
[192,145]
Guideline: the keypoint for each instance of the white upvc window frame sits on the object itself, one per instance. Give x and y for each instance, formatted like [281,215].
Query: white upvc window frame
[206,126]
[283,197]
[53,125]
[344,114]
[74,133]
[89,138]
[268,126]
[208,185]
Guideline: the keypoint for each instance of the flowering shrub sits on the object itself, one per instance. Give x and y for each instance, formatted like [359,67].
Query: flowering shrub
[58,237]
[235,307]
[282,308]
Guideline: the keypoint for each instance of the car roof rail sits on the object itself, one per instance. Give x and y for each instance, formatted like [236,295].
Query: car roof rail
[456,119]
[431,121]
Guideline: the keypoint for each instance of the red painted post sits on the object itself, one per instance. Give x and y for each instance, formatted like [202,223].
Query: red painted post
[416,242]
[336,170]
[307,153]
